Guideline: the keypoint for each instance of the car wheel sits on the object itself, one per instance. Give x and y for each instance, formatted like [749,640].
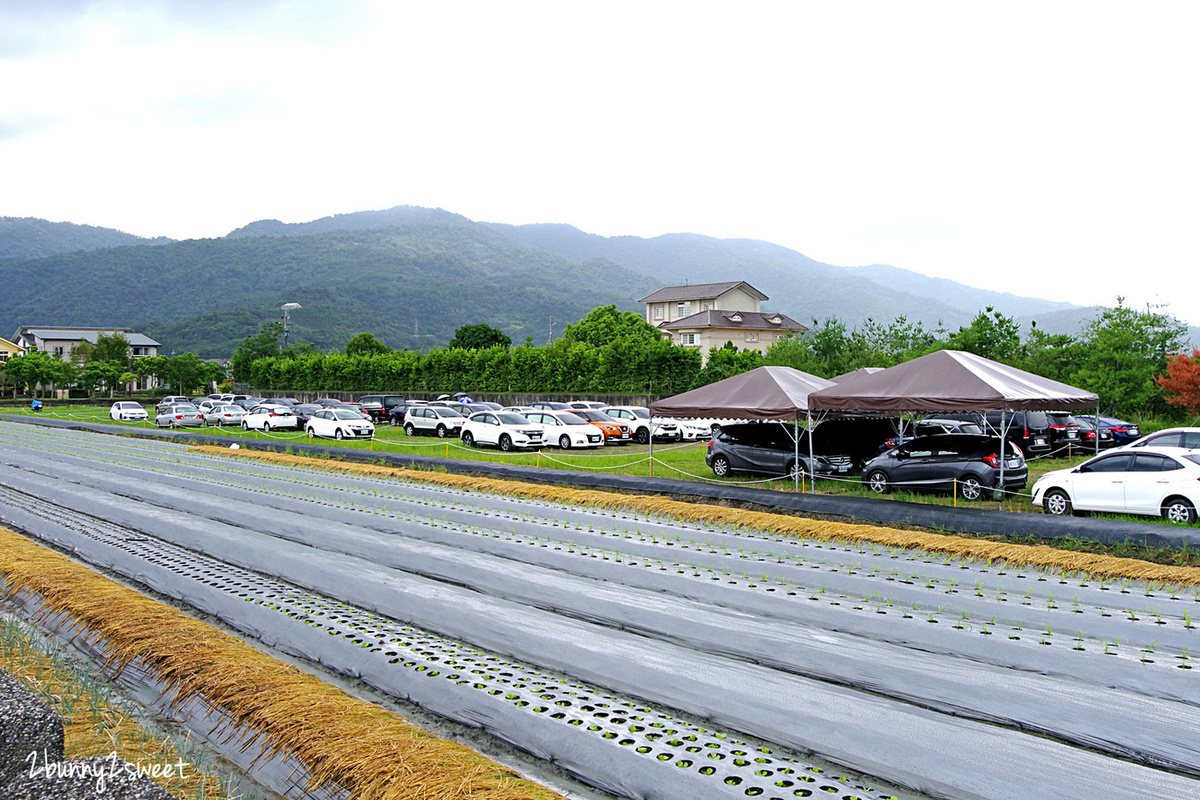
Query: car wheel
[441,431]
[245,426]
[338,434]
[796,471]
[970,488]
[564,442]
[1179,511]
[642,436]
[506,442]
[468,439]
[878,482]
[309,431]
[1057,503]
[720,466]
[410,430]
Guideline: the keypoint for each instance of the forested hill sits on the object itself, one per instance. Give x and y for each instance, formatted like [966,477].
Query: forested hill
[410,285]
[27,237]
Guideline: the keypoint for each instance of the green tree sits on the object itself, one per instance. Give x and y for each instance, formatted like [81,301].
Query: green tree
[606,325]
[1124,350]
[1056,356]
[991,335]
[187,373]
[37,368]
[479,337]
[264,344]
[113,349]
[725,362]
[365,344]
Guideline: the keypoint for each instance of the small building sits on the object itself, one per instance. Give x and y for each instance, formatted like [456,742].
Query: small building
[62,341]
[708,315]
[9,350]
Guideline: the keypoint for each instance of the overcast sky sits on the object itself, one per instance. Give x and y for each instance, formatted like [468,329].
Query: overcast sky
[1049,149]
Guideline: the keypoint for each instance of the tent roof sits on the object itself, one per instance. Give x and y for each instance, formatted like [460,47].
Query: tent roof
[854,372]
[950,380]
[765,393]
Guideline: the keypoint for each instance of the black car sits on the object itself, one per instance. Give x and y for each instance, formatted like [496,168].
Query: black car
[1028,430]
[969,462]
[1066,436]
[378,406]
[769,448]
[1089,433]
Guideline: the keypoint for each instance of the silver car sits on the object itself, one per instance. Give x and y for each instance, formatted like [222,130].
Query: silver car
[224,414]
[180,415]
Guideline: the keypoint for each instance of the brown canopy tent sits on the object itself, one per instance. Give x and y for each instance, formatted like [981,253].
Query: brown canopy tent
[777,393]
[952,380]
[766,393]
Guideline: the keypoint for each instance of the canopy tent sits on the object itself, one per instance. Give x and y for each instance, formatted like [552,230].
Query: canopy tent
[950,380]
[852,373]
[766,393]
[774,393]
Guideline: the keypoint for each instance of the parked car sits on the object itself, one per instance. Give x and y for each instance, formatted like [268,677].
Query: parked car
[378,405]
[172,400]
[397,412]
[566,429]
[437,420]
[224,414]
[179,415]
[549,405]
[615,431]
[1186,438]
[1154,481]
[339,423]
[768,448]
[643,425]
[1123,432]
[691,430]
[931,427]
[940,463]
[127,411]
[1089,433]
[592,404]
[249,402]
[502,429]
[269,417]
[283,401]
[1028,430]
[303,411]
[1065,433]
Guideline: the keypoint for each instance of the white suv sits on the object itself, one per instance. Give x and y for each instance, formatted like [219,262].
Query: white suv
[339,423]
[566,429]
[502,429]
[437,420]
[639,420]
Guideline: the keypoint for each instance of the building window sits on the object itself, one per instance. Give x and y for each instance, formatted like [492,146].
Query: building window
[687,338]
[658,312]
[58,351]
[685,309]
[707,307]
[751,337]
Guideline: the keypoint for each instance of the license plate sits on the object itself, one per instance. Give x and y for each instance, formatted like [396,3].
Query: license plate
[843,468]
[1039,440]
[1013,464]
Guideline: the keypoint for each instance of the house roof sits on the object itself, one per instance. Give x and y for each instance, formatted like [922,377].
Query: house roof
[698,291]
[86,335]
[749,320]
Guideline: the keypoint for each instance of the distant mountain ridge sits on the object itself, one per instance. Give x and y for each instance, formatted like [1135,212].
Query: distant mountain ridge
[412,275]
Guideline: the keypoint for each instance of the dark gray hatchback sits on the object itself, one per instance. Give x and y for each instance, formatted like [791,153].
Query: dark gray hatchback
[770,449]
[970,464]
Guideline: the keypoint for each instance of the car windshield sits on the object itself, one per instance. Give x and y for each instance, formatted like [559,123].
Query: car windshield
[446,412]
[512,419]
[346,414]
[594,416]
[572,418]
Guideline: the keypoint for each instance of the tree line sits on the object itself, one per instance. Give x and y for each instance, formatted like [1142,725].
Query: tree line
[1133,359]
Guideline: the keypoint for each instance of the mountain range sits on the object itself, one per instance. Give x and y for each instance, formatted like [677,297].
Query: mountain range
[412,276]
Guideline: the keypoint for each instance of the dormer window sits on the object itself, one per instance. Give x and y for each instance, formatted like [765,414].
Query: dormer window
[735,317]
[776,320]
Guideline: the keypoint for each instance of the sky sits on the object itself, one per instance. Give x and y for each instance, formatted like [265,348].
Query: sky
[1044,149]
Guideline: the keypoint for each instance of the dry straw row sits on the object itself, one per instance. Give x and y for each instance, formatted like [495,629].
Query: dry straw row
[1065,561]
[359,746]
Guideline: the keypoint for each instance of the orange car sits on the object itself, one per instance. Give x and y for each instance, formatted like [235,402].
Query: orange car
[615,431]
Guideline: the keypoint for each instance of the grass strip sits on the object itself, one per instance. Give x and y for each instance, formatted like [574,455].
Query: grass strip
[94,723]
[1079,563]
[368,750]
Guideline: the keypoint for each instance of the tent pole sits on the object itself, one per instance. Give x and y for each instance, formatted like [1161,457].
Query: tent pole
[1003,442]
[1096,419]
[651,458]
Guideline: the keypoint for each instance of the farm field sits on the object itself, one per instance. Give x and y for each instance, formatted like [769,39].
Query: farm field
[655,654]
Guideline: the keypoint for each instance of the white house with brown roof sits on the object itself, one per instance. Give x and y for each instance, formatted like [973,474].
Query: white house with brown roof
[708,315]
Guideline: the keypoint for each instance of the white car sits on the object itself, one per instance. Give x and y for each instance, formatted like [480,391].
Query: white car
[643,426]
[502,429]
[224,414]
[1186,438]
[339,423]
[173,400]
[126,411]
[566,429]
[437,420]
[269,418]
[691,429]
[1154,481]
